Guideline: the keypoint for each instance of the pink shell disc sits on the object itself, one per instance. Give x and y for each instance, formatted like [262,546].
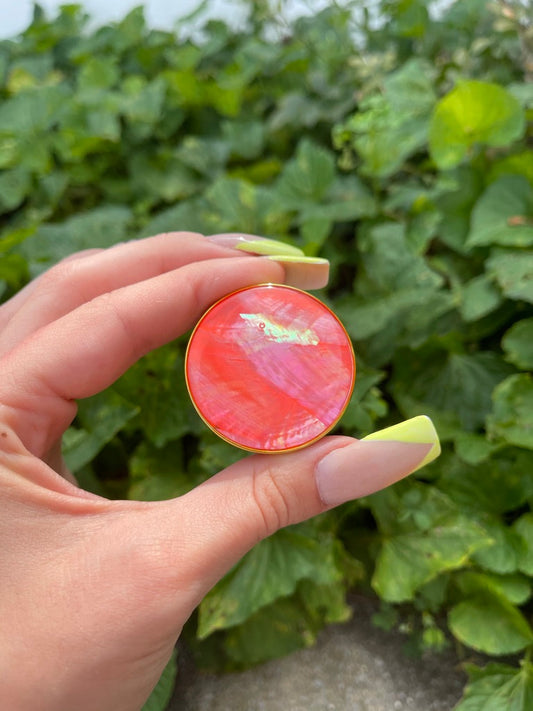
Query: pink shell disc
[270,368]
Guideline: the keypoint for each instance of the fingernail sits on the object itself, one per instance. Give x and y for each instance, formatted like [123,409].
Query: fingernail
[414,431]
[252,244]
[303,272]
[381,459]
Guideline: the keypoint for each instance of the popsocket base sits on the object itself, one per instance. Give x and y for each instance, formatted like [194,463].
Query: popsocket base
[270,368]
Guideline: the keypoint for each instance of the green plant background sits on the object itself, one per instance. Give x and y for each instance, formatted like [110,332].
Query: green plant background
[401,150]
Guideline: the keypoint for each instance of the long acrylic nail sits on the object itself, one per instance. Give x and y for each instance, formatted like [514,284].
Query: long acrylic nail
[381,459]
[414,431]
[252,244]
[303,272]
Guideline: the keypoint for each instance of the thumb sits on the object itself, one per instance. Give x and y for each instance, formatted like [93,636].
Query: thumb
[220,520]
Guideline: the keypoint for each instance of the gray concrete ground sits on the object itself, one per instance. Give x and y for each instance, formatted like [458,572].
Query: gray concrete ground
[354,667]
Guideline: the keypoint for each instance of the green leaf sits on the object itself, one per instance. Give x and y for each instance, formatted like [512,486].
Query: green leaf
[458,193]
[13,271]
[233,203]
[14,186]
[459,385]
[513,270]
[157,474]
[474,112]
[512,415]
[296,109]
[101,227]
[503,214]
[27,120]
[364,319]
[274,631]
[204,154]
[190,215]
[389,127]
[161,178]
[409,17]
[505,551]
[423,227]
[240,206]
[270,571]
[396,291]
[327,602]
[523,92]
[157,385]
[473,448]
[520,163]
[28,113]
[100,417]
[496,485]
[489,623]
[390,264]
[524,528]
[423,535]
[98,73]
[366,405]
[517,343]
[161,695]
[288,624]
[142,103]
[245,138]
[307,177]
[215,454]
[498,687]
[409,560]
[479,297]
[347,199]
[515,588]
[192,91]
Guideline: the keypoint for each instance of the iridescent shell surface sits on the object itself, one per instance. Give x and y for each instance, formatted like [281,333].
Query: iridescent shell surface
[270,368]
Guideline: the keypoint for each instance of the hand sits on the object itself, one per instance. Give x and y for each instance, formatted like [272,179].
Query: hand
[95,592]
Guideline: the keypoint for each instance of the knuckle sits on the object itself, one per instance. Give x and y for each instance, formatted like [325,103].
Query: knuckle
[111,307]
[63,277]
[58,275]
[271,500]
[68,274]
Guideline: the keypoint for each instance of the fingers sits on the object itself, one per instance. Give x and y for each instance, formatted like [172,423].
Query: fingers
[252,499]
[85,275]
[86,350]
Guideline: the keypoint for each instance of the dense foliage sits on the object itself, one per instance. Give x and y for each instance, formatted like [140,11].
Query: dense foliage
[400,148]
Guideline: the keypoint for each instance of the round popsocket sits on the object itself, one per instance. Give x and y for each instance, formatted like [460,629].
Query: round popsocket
[270,368]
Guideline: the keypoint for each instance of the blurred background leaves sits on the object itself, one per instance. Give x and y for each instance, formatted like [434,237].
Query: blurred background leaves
[392,138]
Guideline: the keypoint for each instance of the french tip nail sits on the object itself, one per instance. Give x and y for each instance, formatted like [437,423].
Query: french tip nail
[417,430]
[377,461]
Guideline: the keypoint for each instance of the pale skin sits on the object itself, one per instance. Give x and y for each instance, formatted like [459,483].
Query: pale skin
[95,592]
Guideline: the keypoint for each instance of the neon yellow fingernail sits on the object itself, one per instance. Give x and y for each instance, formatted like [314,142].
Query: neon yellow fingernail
[267,247]
[417,430]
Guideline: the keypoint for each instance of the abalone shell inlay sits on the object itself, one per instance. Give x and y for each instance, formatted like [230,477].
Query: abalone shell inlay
[270,368]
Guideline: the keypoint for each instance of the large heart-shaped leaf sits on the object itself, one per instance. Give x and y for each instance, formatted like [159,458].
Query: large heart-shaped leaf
[473,112]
